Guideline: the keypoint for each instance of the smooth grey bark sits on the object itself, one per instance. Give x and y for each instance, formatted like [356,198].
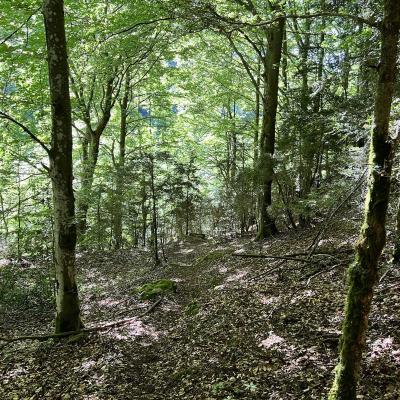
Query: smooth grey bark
[68,310]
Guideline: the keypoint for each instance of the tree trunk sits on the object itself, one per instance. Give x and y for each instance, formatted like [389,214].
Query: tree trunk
[68,310]
[119,189]
[396,252]
[154,212]
[267,225]
[92,154]
[307,137]
[363,273]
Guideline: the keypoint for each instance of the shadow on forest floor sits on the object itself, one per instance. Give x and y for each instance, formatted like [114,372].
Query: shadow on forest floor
[237,328]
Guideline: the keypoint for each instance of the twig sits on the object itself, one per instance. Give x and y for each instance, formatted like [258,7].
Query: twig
[268,271]
[9,36]
[385,274]
[85,330]
[321,271]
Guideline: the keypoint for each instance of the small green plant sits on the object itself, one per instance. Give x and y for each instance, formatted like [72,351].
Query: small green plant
[153,289]
[192,308]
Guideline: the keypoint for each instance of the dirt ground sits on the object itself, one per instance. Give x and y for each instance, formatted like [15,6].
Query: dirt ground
[237,328]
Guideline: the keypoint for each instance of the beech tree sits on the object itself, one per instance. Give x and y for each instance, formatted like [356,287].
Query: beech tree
[68,310]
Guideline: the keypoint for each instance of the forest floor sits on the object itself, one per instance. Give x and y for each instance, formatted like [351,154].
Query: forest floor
[237,328]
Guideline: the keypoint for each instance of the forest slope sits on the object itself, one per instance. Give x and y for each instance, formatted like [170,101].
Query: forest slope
[237,328]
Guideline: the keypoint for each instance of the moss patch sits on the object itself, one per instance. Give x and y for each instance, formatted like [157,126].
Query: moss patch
[153,289]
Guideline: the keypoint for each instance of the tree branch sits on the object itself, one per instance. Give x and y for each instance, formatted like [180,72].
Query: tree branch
[246,65]
[3,115]
[8,37]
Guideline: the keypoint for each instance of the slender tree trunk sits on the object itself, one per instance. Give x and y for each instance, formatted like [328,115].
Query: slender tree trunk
[396,252]
[144,211]
[267,225]
[119,190]
[257,116]
[154,212]
[308,147]
[68,310]
[363,273]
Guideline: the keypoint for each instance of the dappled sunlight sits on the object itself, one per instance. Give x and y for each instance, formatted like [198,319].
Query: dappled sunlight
[272,341]
[383,347]
[238,276]
[133,330]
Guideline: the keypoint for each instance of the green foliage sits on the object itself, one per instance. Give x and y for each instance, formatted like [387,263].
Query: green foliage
[153,289]
[25,287]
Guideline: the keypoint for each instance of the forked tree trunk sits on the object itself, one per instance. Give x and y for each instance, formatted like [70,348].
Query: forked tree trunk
[91,148]
[68,311]
[363,273]
[267,226]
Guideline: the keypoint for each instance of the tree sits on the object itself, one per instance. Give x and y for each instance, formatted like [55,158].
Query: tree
[363,273]
[68,310]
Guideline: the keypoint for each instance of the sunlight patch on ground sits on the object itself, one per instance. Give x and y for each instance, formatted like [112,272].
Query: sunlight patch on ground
[14,373]
[385,346]
[186,251]
[301,296]
[4,262]
[134,329]
[271,341]
[267,301]
[240,274]
[177,279]
[108,302]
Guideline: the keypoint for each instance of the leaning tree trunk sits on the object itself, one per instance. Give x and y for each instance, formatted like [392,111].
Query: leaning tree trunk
[363,273]
[267,143]
[68,311]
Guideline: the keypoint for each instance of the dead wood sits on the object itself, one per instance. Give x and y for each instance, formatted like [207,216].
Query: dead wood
[47,336]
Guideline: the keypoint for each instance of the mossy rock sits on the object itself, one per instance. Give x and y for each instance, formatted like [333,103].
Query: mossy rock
[153,289]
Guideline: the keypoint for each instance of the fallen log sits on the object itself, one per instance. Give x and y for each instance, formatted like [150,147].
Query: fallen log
[110,325]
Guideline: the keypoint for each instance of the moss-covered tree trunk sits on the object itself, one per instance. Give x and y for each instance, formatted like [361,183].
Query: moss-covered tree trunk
[363,273]
[68,311]
[266,226]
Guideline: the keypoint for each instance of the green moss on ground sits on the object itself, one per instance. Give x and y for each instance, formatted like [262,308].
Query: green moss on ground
[153,289]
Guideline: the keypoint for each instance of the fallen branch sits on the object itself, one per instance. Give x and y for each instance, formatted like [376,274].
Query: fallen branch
[268,271]
[321,271]
[311,249]
[288,258]
[85,330]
